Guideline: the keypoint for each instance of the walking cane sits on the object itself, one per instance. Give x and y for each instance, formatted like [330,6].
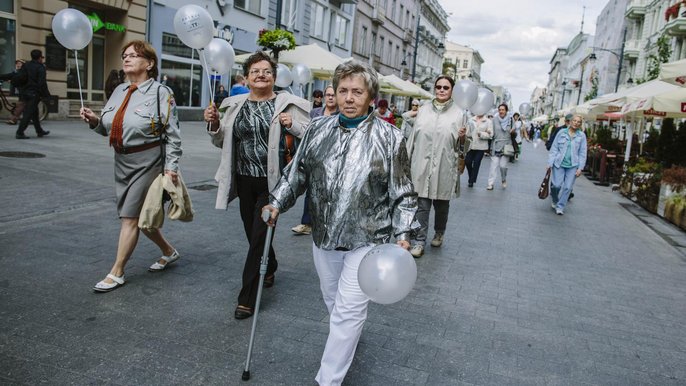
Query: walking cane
[263,271]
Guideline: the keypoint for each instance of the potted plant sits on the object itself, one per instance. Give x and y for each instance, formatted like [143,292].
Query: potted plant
[675,210]
[672,184]
[276,40]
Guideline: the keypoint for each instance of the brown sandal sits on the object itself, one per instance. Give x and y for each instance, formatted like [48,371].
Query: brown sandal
[242,312]
[269,281]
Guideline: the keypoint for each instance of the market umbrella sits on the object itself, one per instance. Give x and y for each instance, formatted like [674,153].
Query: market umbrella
[674,72]
[321,62]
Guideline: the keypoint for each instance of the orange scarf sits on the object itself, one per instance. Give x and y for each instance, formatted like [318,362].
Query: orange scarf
[117,131]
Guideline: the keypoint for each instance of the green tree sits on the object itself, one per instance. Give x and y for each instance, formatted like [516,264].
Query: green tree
[680,145]
[449,68]
[666,150]
[664,51]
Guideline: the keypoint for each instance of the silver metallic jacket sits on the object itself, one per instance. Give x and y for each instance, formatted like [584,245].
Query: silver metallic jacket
[359,182]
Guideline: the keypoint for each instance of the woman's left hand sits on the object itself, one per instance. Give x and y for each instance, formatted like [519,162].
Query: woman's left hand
[578,172]
[173,175]
[403,244]
[286,120]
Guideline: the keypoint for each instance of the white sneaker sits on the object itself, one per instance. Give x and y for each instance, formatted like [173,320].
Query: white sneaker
[302,229]
[504,184]
[417,250]
[489,187]
[559,212]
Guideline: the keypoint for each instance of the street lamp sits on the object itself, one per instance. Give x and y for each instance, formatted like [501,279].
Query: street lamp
[592,57]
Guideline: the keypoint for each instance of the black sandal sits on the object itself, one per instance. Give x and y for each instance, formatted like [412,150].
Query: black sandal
[269,281]
[242,312]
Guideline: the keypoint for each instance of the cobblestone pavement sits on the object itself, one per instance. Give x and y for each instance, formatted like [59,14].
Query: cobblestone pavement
[516,295]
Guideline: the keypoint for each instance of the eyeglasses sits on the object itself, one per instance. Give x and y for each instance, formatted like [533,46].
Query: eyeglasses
[415,105]
[446,88]
[132,56]
[261,72]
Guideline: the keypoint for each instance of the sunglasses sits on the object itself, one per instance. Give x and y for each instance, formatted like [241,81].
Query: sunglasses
[446,88]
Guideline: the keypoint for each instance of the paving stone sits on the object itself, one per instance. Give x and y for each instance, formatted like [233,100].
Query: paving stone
[506,300]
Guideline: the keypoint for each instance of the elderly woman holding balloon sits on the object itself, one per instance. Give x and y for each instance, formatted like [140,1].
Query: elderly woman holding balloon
[256,132]
[433,147]
[355,167]
[502,145]
[140,119]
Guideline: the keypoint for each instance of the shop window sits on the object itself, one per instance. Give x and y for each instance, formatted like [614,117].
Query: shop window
[73,77]
[185,81]
[172,45]
[249,5]
[7,6]
[8,47]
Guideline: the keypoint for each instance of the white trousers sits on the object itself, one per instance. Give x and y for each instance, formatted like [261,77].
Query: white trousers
[497,162]
[347,306]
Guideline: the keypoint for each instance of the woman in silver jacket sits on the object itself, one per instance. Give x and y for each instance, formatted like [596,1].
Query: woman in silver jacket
[355,167]
[433,149]
[255,132]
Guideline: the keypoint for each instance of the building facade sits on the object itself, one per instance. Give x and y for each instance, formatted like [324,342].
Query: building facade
[607,47]
[465,62]
[385,34]
[430,39]
[26,25]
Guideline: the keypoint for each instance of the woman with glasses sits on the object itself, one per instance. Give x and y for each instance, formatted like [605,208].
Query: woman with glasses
[439,130]
[256,132]
[140,119]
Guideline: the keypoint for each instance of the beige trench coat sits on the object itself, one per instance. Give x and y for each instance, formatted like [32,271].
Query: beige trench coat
[223,138]
[432,147]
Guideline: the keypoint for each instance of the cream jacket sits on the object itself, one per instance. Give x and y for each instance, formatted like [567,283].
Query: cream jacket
[223,138]
[180,208]
[433,151]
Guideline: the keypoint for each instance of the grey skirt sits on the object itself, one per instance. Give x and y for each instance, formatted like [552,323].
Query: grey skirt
[133,175]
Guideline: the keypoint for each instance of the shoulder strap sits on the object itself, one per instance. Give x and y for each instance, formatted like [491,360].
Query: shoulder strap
[163,152]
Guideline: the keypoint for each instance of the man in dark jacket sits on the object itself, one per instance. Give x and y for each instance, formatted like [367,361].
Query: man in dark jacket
[35,88]
[551,139]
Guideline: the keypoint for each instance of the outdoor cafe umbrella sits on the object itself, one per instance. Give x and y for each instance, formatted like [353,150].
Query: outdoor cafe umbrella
[321,62]
[402,87]
[674,72]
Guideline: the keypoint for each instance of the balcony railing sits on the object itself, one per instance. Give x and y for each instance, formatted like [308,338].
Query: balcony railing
[632,48]
[636,9]
[378,15]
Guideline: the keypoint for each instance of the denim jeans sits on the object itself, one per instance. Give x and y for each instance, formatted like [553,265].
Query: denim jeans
[561,183]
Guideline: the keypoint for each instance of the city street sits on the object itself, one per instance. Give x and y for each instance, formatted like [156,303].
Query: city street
[516,296]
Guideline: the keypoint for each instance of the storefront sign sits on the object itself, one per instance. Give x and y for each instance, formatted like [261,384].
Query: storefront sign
[98,24]
[654,113]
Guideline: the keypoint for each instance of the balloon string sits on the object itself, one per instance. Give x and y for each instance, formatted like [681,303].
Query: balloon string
[78,77]
[209,78]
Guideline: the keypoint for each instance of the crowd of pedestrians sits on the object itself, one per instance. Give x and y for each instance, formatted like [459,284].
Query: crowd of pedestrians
[365,181]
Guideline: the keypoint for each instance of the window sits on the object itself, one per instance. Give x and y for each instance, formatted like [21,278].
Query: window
[373,48]
[289,14]
[318,22]
[407,19]
[465,63]
[393,11]
[382,49]
[341,31]
[7,6]
[181,71]
[363,41]
[390,54]
[253,6]
[401,22]
[397,56]
[8,29]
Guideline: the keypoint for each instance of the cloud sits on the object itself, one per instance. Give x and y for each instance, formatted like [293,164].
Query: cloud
[517,44]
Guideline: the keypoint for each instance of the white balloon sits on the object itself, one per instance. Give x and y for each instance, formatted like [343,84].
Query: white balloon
[387,273]
[284,78]
[194,26]
[220,55]
[484,102]
[524,108]
[72,28]
[465,93]
[301,74]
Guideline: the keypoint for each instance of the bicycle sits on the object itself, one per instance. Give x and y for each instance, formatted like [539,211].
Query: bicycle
[10,106]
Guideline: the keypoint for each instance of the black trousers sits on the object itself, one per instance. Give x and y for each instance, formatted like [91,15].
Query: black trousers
[473,163]
[253,194]
[30,114]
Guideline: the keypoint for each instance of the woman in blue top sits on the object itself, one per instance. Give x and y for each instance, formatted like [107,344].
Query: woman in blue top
[567,157]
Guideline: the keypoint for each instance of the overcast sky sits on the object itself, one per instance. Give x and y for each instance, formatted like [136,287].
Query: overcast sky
[517,39]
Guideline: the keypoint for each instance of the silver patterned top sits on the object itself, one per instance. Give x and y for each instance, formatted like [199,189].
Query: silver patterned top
[359,183]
